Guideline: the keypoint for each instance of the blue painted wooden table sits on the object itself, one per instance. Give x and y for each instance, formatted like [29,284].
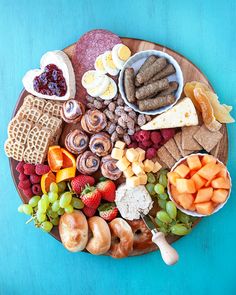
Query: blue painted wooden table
[31,262]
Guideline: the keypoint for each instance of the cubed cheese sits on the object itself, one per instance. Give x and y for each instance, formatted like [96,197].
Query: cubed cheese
[133,181]
[117,153]
[141,153]
[142,179]
[148,165]
[138,168]
[122,164]
[120,145]
[128,172]
[132,155]
[157,167]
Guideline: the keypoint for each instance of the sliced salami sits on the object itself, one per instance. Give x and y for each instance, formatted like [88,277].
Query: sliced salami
[87,49]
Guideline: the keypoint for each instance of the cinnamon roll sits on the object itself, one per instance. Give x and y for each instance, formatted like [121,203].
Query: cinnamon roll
[93,121]
[100,144]
[76,141]
[87,163]
[72,111]
[109,169]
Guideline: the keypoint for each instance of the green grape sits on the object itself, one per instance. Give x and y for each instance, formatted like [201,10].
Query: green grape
[61,211]
[163,171]
[163,196]
[77,203]
[162,203]
[52,214]
[179,229]
[65,199]
[163,216]
[20,208]
[33,202]
[69,209]
[53,187]
[55,221]
[27,209]
[61,186]
[151,178]
[46,199]
[163,229]
[159,189]
[52,197]
[46,226]
[159,223]
[41,216]
[42,206]
[163,180]
[56,206]
[183,217]
[150,189]
[171,209]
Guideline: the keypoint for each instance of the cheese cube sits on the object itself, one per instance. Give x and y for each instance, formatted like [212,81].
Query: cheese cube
[117,153]
[138,168]
[132,155]
[148,165]
[128,172]
[122,164]
[142,179]
[157,167]
[141,153]
[120,145]
[133,181]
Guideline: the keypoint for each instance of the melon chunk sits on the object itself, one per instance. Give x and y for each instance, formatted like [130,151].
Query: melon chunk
[174,192]
[221,182]
[185,186]
[182,170]
[208,159]
[223,173]
[220,195]
[209,171]
[198,180]
[172,176]
[192,207]
[192,172]
[205,208]
[194,162]
[186,200]
[204,195]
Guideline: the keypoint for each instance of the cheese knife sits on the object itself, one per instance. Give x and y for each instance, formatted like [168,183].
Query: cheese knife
[168,253]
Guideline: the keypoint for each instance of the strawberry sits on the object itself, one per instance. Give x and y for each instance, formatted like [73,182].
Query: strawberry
[107,188]
[91,197]
[108,211]
[79,182]
[89,212]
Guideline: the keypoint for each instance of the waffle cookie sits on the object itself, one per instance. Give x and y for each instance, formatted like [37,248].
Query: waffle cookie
[53,109]
[19,130]
[30,114]
[34,102]
[14,149]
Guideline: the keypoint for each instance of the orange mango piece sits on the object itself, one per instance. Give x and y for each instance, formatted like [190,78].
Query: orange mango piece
[185,186]
[220,195]
[221,182]
[198,180]
[205,208]
[183,170]
[209,171]
[172,176]
[194,162]
[204,195]
[186,200]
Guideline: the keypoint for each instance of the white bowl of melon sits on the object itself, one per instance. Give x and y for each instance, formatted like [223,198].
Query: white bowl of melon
[199,185]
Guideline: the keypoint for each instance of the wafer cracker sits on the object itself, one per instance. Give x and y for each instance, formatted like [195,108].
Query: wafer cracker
[34,102]
[19,130]
[52,123]
[39,139]
[53,109]
[177,139]
[165,157]
[173,149]
[30,114]
[187,139]
[14,149]
[33,157]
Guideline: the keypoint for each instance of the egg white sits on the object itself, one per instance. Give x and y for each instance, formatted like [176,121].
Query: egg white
[111,71]
[97,79]
[97,68]
[112,94]
[117,61]
[99,89]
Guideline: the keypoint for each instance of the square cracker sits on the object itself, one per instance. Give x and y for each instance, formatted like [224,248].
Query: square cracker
[165,157]
[172,148]
[178,139]
[207,139]
[188,141]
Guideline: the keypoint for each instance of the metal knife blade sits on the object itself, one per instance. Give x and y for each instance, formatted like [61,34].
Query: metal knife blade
[148,221]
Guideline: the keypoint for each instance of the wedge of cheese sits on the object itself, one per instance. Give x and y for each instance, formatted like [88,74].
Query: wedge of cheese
[182,114]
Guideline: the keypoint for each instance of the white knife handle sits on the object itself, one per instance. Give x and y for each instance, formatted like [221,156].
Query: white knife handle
[168,253]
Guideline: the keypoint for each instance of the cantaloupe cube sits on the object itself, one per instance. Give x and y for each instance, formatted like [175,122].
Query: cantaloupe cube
[208,159]
[117,154]
[133,181]
[172,176]
[220,195]
[185,186]
[209,171]
[192,207]
[120,145]
[198,180]
[205,208]
[122,164]
[138,168]
[194,162]
[182,170]
[204,195]
[222,173]
[208,183]
[174,192]
[128,172]
[186,200]
[141,153]
[148,165]
[142,179]
[157,167]
[221,182]
[192,172]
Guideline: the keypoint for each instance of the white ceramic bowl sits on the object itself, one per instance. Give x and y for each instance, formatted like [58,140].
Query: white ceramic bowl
[135,62]
[194,213]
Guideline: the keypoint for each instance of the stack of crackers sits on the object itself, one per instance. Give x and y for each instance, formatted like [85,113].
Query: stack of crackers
[36,126]
[187,141]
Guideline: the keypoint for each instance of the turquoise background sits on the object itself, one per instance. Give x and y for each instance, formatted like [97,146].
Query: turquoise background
[31,262]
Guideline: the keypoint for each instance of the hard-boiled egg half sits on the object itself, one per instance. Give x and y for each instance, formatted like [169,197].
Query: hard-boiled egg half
[120,54]
[111,91]
[108,64]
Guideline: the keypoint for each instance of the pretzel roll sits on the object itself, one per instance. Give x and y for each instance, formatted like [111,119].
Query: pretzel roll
[87,163]
[100,144]
[121,238]
[72,111]
[109,168]
[100,242]
[93,121]
[73,230]
[76,141]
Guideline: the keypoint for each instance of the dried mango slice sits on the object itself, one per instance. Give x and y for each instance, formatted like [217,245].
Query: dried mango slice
[189,88]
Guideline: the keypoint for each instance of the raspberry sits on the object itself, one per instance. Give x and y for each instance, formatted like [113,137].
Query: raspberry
[35,178]
[36,189]
[89,212]
[29,169]
[147,143]
[156,146]
[24,184]
[132,137]
[143,147]
[151,153]
[156,136]
[41,169]
[28,193]
[143,135]
[168,133]
[136,137]
[20,167]
[133,145]
[22,176]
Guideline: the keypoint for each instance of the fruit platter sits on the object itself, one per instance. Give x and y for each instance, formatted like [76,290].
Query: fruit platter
[118,146]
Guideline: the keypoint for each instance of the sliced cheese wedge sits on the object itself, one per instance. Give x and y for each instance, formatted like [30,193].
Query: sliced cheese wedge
[182,114]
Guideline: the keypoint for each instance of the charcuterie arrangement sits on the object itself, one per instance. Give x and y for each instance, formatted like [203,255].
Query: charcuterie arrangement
[114,151]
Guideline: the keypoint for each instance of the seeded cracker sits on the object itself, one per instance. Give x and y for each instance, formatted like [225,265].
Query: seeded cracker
[188,142]
[172,148]
[166,157]
[177,139]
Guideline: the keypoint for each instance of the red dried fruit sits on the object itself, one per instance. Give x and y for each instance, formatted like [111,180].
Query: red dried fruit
[143,135]
[28,193]
[168,133]
[89,212]
[22,176]
[35,178]
[41,169]
[156,137]
[151,153]
[29,169]
[24,184]
[147,143]
[36,189]
[133,145]
[20,167]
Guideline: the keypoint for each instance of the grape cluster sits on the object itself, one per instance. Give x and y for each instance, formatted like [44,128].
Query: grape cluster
[45,211]
[169,219]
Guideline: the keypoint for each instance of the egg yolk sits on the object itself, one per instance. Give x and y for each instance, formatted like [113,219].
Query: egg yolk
[99,64]
[89,78]
[109,90]
[110,62]
[124,53]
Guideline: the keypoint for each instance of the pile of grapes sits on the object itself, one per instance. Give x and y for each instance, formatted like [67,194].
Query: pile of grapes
[169,219]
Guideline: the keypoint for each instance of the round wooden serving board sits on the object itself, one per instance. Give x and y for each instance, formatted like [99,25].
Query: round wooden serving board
[190,73]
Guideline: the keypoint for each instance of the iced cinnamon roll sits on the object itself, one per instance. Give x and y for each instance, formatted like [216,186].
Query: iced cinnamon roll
[109,169]
[93,121]
[72,111]
[87,163]
[76,141]
[100,144]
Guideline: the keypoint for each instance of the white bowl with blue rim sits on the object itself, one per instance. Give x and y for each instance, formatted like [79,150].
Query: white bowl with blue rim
[135,62]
